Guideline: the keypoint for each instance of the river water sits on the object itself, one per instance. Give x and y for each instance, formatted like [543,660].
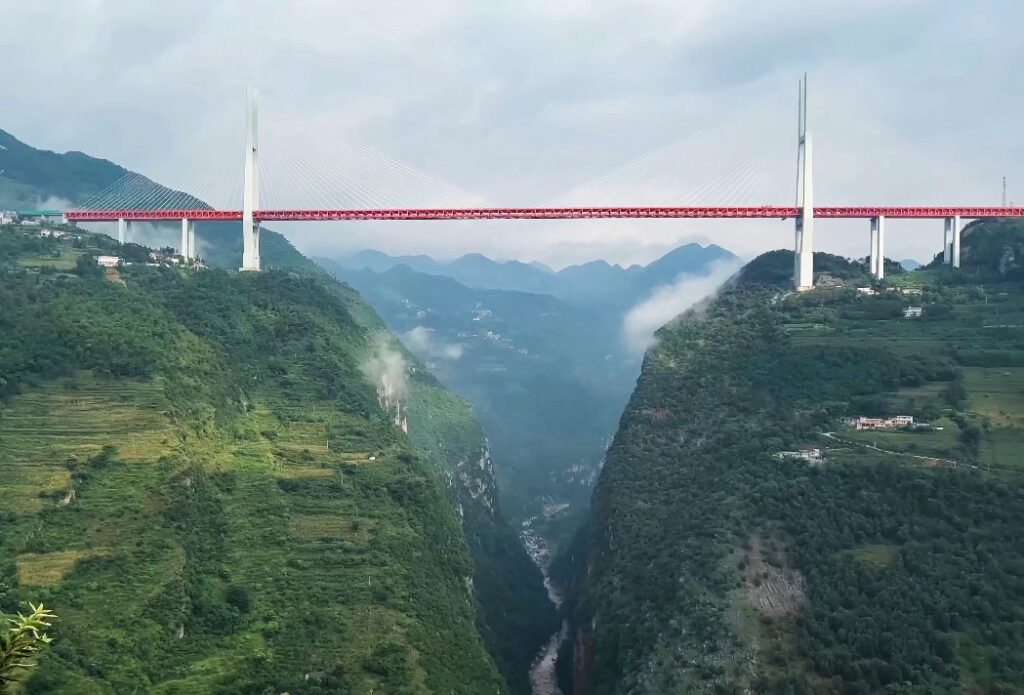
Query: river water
[543,679]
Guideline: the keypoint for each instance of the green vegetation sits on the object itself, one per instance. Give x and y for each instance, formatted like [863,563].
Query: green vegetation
[23,640]
[711,566]
[199,474]
[32,176]
[129,387]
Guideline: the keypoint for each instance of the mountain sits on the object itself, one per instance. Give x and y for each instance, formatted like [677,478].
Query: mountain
[593,284]
[30,177]
[744,537]
[237,482]
[910,264]
[547,379]
[547,374]
[473,270]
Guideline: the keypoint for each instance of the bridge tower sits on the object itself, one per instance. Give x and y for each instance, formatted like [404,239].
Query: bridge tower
[803,270]
[251,187]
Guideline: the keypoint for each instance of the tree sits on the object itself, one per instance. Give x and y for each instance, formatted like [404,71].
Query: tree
[25,638]
[85,265]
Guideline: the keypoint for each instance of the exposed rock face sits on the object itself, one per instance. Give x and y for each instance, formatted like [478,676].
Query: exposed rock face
[774,588]
[476,479]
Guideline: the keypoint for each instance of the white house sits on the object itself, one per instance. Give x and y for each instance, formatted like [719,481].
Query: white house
[108,261]
[877,423]
[811,454]
[912,312]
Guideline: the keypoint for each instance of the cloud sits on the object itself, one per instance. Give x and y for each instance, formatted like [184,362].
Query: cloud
[518,101]
[387,370]
[668,301]
[423,341]
[52,203]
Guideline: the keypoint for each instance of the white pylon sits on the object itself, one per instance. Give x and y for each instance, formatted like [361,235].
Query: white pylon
[122,230]
[803,269]
[251,190]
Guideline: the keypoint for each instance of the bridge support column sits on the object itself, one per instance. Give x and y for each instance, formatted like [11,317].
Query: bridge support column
[956,241]
[803,270]
[122,230]
[183,250]
[873,252]
[947,241]
[250,191]
[192,240]
[878,247]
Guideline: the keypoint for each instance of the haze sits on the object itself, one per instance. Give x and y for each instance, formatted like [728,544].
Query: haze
[520,102]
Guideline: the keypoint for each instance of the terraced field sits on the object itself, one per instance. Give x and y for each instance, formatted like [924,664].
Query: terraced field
[100,480]
[45,431]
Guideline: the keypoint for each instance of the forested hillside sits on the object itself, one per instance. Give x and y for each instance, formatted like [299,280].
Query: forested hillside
[206,474]
[713,562]
[31,177]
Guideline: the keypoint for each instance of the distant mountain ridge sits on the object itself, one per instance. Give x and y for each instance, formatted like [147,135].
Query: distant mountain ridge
[29,176]
[588,284]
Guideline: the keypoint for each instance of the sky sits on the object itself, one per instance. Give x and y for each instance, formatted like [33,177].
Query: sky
[525,102]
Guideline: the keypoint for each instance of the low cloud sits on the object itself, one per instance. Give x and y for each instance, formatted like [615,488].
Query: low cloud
[424,341]
[53,203]
[668,301]
[387,370]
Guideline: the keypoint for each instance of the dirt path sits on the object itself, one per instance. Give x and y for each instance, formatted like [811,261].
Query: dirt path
[948,462]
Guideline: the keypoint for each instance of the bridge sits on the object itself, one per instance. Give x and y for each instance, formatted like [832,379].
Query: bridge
[251,215]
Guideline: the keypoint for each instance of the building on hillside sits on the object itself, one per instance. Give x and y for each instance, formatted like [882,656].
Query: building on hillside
[912,312]
[55,233]
[911,291]
[811,454]
[866,290]
[8,217]
[108,261]
[878,423]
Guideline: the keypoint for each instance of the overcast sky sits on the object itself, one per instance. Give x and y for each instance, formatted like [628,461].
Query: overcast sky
[912,102]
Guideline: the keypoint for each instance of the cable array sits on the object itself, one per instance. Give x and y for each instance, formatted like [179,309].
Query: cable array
[349,175]
[136,192]
[679,175]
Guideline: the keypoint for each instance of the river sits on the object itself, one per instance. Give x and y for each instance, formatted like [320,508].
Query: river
[543,679]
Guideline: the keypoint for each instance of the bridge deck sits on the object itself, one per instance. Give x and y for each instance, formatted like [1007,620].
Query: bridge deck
[566,213]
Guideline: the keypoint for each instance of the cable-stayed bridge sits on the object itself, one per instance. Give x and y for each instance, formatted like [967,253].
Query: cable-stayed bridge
[360,183]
